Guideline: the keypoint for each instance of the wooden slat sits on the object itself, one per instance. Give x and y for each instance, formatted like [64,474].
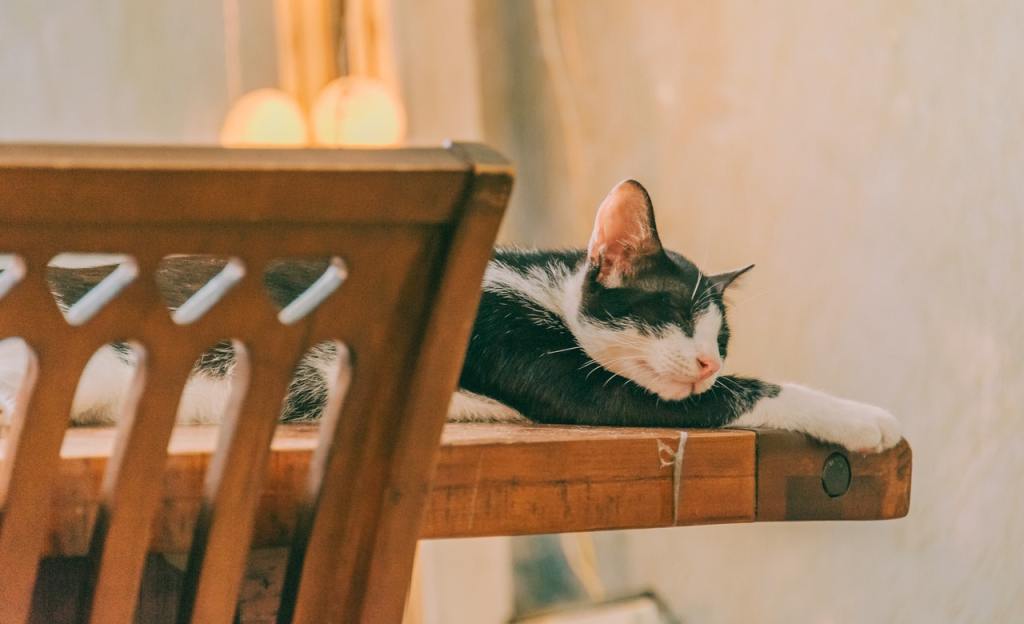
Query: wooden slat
[31,476]
[233,484]
[371,475]
[30,454]
[414,450]
[121,536]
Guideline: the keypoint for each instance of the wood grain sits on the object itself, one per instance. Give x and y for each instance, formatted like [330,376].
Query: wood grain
[63,185]
[789,483]
[507,480]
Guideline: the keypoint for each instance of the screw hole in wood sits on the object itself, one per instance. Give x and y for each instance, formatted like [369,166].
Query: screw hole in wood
[835,475]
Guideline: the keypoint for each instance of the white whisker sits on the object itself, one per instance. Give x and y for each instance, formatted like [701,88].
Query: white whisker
[562,350]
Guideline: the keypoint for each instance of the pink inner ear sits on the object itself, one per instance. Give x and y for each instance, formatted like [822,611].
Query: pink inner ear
[623,231]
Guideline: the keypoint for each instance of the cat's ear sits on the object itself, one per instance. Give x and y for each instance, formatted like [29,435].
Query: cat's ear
[722,280]
[624,235]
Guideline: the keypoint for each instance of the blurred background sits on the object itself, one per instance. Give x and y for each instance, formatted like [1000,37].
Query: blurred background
[867,156]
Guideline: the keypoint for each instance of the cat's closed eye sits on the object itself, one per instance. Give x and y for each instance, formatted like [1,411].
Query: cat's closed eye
[665,304]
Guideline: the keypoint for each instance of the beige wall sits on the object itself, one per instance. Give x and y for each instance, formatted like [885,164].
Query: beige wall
[869,157]
[136,71]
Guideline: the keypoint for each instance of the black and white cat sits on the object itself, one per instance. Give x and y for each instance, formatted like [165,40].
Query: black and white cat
[623,333]
[628,333]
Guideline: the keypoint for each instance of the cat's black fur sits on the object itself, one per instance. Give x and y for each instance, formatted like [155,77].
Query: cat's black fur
[524,356]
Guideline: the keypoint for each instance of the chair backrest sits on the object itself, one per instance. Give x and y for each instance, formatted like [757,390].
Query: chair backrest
[415,229]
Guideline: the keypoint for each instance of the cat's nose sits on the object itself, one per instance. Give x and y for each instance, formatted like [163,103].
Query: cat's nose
[707,366]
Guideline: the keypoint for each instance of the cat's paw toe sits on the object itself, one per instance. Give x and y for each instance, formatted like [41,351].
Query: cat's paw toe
[858,435]
[882,430]
[892,432]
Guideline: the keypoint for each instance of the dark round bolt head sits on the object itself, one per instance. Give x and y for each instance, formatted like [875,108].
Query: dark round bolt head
[835,475]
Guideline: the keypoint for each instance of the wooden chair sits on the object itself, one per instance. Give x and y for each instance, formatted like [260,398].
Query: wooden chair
[415,229]
[342,503]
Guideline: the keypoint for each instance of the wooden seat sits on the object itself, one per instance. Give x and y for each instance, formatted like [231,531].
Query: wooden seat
[336,509]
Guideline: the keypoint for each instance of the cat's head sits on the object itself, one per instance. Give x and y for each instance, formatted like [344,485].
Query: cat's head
[643,312]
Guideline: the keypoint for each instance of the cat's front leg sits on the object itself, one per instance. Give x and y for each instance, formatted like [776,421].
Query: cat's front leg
[856,426]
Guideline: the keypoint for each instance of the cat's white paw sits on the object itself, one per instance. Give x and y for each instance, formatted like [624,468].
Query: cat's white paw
[469,407]
[859,427]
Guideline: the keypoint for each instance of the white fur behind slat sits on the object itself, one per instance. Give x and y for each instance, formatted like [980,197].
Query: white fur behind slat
[470,407]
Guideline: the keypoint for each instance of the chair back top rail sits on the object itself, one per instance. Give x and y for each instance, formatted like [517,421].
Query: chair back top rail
[53,185]
[413,230]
